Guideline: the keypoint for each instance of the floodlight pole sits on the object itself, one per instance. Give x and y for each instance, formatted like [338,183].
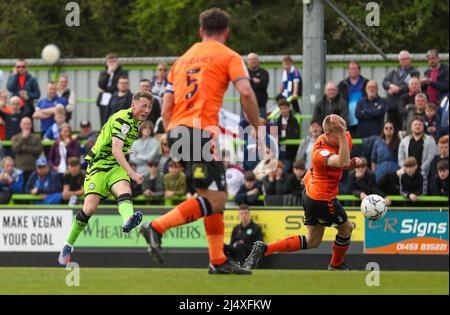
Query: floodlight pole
[314,53]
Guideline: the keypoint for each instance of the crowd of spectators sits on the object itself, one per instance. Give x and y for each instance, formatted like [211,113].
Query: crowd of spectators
[404,136]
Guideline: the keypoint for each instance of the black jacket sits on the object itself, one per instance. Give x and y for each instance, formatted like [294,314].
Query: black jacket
[343,88]
[249,234]
[277,187]
[439,187]
[260,88]
[292,132]
[12,123]
[412,185]
[295,186]
[117,103]
[241,196]
[394,77]
[388,184]
[366,184]
[104,79]
[326,107]
[442,81]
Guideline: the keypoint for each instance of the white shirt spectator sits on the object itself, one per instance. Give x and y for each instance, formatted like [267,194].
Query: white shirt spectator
[235,179]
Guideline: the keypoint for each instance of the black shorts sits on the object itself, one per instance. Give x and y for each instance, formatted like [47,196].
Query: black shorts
[196,157]
[325,213]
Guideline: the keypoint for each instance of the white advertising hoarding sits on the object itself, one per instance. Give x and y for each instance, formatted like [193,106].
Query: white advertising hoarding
[34,230]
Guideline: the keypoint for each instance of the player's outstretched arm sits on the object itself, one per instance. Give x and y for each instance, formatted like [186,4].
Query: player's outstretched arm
[117,145]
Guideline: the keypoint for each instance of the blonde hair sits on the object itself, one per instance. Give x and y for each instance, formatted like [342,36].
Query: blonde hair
[161,140]
[326,124]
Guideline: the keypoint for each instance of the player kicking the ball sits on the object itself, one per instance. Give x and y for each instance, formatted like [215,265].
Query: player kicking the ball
[109,171]
[329,157]
[196,85]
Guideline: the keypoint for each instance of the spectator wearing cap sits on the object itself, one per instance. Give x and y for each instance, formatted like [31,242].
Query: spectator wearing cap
[45,183]
[145,148]
[11,180]
[153,185]
[288,128]
[86,135]
[361,180]
[73,180]
[435,83]
[12,117]
[108,84]
[353,89]
[418,145]
[22,84]
[26,147]
[412,182]
[370,112]
[46,108]
[243,236]
[305,148]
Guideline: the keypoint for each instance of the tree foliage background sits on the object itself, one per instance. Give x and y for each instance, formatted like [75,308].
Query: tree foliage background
[169,27]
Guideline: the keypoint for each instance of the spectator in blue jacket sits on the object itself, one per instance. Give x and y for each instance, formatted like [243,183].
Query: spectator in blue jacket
[24,85]
[385,151]
[370,112]
[46,108]
[46,183]
[11,180]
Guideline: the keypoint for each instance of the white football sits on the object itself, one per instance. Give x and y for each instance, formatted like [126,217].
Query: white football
[51,54]
[373,207]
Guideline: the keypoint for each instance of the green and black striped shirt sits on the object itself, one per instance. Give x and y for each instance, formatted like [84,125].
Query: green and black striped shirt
[120,125]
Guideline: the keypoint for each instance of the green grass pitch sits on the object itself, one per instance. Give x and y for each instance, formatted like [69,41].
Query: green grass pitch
[198,282]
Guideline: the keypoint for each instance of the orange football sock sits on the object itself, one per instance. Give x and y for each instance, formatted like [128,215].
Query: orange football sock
[215,233]
[187,211]
[288,244]
[340,247]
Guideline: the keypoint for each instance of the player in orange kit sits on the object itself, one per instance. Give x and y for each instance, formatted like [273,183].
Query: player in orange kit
[196,85]
[329,157]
